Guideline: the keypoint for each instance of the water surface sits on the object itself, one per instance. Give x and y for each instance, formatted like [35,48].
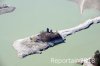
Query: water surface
[33,16]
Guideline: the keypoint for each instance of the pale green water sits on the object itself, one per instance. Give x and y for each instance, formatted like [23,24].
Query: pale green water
[32,16]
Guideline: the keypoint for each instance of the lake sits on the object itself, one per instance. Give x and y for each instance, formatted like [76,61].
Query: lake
[33,16]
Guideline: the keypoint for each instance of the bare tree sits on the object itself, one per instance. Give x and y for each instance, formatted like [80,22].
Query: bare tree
[36,44]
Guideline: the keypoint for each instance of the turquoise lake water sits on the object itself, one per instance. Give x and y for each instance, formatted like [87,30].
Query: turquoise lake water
[33,16]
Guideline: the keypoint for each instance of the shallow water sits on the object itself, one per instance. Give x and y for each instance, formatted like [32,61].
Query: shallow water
[33,16]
